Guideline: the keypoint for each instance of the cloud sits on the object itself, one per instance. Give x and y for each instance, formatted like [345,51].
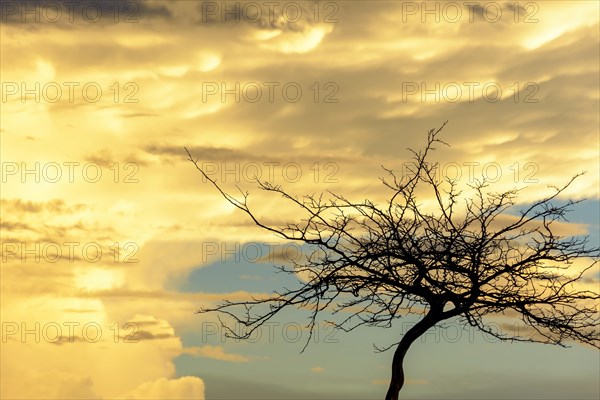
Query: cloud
[559,228]
[260,15]
[186,387]
[297,42]
[121,363]
[24,207]
[362,61]
[83,12]
[201,152]
[147,328]
[216,353]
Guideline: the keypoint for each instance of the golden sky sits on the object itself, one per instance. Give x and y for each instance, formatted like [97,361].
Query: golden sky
[105,221]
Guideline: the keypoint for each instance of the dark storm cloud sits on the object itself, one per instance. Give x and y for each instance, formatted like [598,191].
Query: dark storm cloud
[106,159]
[61,340]
[496,12]
[86,11]
[205,153]
[285,16]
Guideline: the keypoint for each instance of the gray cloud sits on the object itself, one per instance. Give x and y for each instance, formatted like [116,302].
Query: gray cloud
[83,11]
[260,15]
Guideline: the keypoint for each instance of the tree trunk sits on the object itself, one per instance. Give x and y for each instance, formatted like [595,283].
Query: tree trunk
[413,333]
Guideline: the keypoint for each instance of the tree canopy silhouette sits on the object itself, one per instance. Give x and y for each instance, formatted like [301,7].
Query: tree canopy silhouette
[465,258]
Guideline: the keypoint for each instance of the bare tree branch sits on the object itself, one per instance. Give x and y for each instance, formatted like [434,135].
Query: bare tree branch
[375,264]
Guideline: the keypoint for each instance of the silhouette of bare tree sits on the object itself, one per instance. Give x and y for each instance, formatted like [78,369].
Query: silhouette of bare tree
[460,260]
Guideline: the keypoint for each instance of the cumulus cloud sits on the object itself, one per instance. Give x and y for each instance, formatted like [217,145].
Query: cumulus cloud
[186,387]
[215,352]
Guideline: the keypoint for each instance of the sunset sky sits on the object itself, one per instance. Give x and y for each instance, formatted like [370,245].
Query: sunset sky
[111,239]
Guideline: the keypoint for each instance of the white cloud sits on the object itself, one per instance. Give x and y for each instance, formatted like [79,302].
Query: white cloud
[215,352]
[186,387]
